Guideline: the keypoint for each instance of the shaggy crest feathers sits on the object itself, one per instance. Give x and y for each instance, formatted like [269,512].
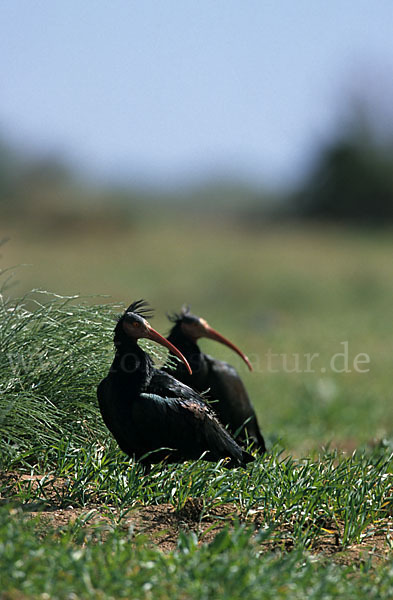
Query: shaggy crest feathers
[184,315]
[141,308]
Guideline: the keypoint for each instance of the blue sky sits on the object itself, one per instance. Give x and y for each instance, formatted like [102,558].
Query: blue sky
[166,90]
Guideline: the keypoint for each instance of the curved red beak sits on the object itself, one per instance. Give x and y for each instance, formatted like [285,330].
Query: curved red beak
[153,335]
[214,335]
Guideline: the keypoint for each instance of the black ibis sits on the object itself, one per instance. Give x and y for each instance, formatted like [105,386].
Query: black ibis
[218,379]
[152,416]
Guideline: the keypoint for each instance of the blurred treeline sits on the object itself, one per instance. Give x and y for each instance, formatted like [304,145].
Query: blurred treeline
[349,180]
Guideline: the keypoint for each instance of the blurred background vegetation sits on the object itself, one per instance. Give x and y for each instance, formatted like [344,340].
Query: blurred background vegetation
[349,182]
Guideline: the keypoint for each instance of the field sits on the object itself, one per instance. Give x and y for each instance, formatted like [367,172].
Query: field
[312,309]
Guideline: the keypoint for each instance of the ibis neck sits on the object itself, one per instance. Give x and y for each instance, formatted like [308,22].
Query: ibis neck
[131,364]
[188,347]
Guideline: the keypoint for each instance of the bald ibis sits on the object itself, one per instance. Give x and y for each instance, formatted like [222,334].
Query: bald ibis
[152,416]
[219,379]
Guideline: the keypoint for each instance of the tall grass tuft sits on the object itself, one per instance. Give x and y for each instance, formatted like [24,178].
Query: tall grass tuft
[54,350]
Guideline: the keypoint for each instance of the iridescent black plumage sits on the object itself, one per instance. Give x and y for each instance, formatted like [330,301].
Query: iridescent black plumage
[152,416]
[218,379]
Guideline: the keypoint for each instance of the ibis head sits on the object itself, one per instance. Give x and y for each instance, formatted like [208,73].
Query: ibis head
[134,326]
[195,328]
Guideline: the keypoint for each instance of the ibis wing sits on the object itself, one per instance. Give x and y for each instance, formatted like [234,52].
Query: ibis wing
[166,385]
[226,385]
[187,426]
[234,407]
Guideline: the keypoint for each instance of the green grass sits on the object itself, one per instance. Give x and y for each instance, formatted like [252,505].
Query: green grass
[332,497]
[234,565]
[290,291]
[54,352]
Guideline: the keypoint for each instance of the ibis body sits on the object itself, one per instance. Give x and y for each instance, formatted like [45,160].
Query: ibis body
[217,380]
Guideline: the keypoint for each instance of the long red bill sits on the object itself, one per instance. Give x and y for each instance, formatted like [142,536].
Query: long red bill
[156,337]
[214,335]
